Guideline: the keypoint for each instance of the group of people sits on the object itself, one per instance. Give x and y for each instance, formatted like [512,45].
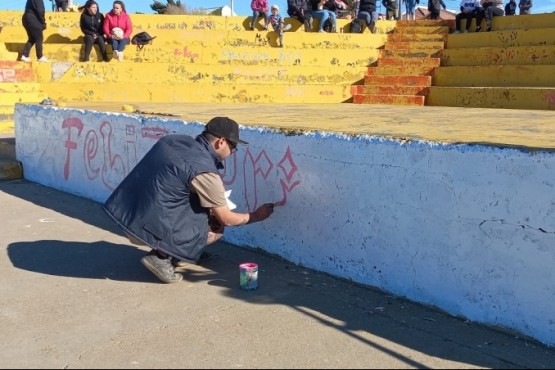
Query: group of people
[488,9]
[325,11]
[115,28]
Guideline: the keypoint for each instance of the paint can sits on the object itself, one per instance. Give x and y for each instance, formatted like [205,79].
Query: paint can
[248,275]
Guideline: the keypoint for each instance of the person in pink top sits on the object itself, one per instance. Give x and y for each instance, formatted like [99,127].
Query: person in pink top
[259,9]
[118,28]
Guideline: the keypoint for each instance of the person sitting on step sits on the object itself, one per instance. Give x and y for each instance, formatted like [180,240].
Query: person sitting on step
[118,28]
[469,9]
[259,8]
[323,15]
[278,24]
[510,8]
[489,9]
[91,23]
[367,13]
[299,10]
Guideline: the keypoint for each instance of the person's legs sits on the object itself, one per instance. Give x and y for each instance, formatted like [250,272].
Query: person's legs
[366,17]
[333,18]
[89,41]
[458,18]
[255,14]
[161,266]
[122,44]
[29,44]
[266,16]
[102,47]
[373,22]
[479,15]
[493,12]
[322,16]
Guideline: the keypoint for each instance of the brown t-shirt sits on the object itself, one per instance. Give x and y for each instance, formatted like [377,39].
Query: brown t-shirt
[210,189]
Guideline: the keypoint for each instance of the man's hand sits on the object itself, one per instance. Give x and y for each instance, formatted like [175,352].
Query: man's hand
[215,225]
[262,212]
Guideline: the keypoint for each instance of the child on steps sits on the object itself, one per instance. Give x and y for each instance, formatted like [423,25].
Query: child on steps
[278,24]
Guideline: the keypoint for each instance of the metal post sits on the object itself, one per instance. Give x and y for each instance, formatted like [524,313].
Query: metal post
[231,7]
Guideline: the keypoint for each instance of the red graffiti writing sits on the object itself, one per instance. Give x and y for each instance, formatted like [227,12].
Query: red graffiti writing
[69,144]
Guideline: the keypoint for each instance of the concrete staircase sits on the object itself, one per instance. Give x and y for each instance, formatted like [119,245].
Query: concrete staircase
[405,65]
[199,59]
[511,67]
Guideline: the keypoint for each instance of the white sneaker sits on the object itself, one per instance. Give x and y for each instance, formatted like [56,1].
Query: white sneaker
[116,54]
[457,31]
[120,56]
[25,59]
[43,59]
[287,27]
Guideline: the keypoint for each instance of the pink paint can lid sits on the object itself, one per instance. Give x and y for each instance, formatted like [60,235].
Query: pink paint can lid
[248,266]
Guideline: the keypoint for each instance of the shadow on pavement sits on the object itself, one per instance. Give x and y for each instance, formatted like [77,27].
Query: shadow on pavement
[99,260]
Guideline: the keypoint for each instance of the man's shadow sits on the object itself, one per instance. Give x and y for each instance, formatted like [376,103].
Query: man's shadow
[97,260]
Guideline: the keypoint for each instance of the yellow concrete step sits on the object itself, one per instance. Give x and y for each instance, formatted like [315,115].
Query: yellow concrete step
[424,23]
[408,70]
[542,98]
[31,97]
[505,39]
[531,21]
[389,99]
[7,127]
[398,80]
[542,54]
[180,39]
[198,54]
[430,62]
[420,29]
[496,76]
[389,90]
[415,37]
[198,92]
[6,109]
[64,24]
[19,87]
[140,74]
[412,46]
[10,170]
[408,54]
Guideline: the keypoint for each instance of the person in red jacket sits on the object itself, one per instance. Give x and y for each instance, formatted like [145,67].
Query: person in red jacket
[118,28]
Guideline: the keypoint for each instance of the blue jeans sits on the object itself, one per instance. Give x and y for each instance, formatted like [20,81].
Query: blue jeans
[368,18]
[323,16]
[119,45]
[256,14]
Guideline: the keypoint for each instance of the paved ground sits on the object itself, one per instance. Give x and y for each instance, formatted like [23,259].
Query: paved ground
[75,295]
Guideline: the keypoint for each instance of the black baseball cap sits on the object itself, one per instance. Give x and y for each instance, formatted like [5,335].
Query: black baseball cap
[224,127]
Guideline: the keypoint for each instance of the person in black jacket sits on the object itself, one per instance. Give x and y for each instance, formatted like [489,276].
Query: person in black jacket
[34,24]
[367,13]
[174,199]
[61,5]
[300,10]
[91,25]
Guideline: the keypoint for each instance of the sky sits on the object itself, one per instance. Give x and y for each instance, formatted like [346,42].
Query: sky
[241,7]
